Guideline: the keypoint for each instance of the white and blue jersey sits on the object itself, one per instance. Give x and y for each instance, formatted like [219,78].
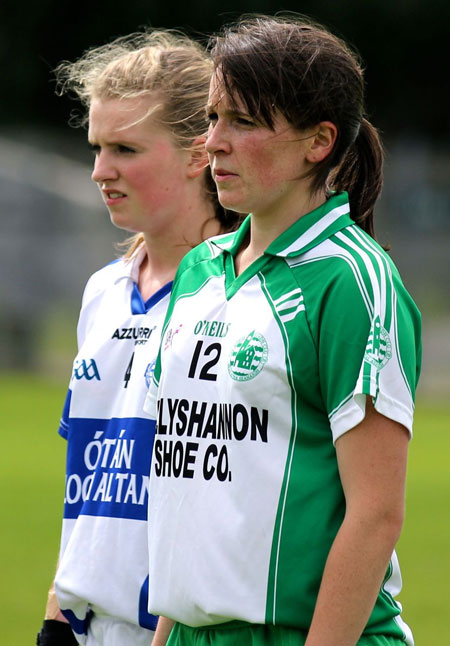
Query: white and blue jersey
[103,561]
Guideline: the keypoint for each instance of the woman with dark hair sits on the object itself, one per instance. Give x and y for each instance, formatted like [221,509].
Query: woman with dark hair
[285,400]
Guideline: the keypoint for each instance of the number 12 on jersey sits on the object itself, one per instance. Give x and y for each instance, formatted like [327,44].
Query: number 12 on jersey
[199,355]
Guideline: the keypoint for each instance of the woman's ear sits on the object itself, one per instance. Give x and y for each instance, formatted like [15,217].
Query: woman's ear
[322,142]
[198,160]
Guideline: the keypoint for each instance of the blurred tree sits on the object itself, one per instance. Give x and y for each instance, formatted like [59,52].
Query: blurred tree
[404,45]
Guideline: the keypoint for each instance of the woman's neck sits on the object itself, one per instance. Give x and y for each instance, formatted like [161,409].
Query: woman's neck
[265,228]
[165,251]
[154,273]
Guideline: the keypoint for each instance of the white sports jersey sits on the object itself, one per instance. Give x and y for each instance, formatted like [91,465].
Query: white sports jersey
[103,562]
[257,377]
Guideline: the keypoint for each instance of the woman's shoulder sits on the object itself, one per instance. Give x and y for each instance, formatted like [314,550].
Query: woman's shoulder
[350,254]
[105,277]
[351,270]
[207,250]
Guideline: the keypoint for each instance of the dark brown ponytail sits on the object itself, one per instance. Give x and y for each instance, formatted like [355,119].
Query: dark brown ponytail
[360,173]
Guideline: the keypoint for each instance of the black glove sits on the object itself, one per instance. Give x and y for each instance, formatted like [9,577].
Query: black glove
[56,633]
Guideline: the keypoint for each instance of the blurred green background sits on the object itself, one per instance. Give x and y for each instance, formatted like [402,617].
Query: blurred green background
[54,232]
[32,483]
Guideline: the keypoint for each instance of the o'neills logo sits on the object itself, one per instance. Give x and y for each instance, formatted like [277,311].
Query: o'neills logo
[248,357]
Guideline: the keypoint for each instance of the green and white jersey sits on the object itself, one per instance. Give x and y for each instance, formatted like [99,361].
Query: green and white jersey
[257,377]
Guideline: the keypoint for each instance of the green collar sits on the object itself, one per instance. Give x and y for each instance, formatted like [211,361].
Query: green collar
[307,232]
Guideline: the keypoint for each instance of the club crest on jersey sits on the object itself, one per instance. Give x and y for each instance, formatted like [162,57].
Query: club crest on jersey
[379,346]
[148,375]
[248,357]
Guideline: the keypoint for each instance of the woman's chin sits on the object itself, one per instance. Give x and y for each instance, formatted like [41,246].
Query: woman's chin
[122,223]
[232,205]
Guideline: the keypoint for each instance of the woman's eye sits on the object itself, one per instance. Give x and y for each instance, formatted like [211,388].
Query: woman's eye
[211,118]
[243,121]
[125,149]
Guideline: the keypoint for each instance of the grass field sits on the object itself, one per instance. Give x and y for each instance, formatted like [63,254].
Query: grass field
[32,477]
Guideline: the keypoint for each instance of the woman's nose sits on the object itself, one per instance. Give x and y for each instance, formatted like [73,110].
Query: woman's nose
[217,139]
[104,169]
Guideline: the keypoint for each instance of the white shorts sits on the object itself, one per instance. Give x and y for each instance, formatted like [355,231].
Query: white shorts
[108,631]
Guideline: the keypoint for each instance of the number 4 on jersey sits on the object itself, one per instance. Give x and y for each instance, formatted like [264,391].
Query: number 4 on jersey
[127,374]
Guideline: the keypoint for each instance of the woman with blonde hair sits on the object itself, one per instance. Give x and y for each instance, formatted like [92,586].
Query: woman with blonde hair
[144,96]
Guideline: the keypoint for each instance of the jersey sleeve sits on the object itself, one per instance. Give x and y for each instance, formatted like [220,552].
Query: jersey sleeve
[368,344]
[82,327]
[63,429]
[87,314]
[91,291]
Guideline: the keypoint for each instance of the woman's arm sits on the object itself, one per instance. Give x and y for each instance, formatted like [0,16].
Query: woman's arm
[52,610]
[162,632]
[56,630]
[372,465]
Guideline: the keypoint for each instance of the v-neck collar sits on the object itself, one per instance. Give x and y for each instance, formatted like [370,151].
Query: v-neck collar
[129,270]
[139,306]
[232,282]
[304,234]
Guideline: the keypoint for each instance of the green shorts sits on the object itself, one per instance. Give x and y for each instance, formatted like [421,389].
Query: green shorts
[235,634]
